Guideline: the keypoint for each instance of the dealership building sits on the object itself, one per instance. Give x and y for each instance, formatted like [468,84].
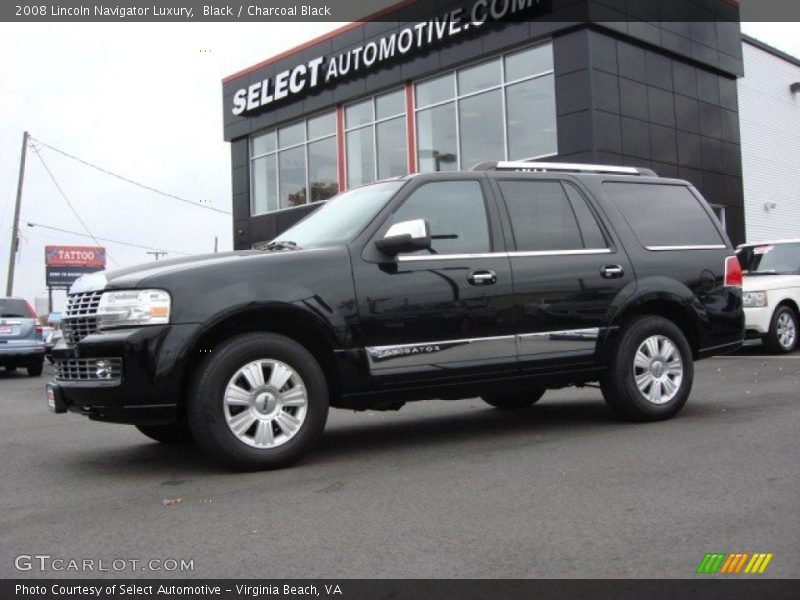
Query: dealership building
[769,100]
[438,86]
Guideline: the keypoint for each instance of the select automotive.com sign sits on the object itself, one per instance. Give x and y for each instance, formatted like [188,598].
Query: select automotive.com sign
[327,70]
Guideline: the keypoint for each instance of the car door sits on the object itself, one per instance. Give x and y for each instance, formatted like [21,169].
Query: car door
[567,267]
[444,312]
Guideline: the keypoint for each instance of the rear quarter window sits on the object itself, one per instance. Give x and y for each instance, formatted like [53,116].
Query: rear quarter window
[664,215]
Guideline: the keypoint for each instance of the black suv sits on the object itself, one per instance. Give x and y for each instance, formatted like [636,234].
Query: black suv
[500,282]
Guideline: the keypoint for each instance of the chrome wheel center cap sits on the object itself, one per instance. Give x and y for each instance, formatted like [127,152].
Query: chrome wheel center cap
[265,402]
[657,368]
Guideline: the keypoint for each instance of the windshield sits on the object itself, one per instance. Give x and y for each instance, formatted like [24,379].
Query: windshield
[342,217]
[770,259]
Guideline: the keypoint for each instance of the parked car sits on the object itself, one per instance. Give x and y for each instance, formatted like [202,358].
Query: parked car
[772,292]
[50,342]
[21,342]
[501,282]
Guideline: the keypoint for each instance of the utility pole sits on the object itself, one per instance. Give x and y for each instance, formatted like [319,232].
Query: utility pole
[216,244]
[12,253]
[156,253]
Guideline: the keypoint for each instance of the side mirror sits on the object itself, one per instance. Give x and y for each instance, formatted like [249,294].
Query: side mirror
[406,236]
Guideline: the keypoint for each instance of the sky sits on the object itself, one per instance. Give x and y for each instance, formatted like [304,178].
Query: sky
[142,100]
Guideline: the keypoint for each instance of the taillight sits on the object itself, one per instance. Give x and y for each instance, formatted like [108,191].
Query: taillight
[31,312]
[733,272]
[39,330]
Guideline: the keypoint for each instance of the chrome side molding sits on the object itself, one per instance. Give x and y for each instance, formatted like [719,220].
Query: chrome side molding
[675,248]
[445,352]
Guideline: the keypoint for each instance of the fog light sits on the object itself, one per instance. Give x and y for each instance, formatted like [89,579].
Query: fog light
[103,369]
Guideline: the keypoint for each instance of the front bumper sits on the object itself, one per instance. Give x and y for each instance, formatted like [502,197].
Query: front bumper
[758,320]
[143,387]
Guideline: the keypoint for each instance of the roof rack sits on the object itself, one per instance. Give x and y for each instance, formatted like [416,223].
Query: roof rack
[543,167]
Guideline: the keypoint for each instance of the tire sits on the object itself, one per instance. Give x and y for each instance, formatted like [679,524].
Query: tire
[783,331]
[642,354]
[10,369]
[174,433]
[515,401]
[35,369]
[276,424]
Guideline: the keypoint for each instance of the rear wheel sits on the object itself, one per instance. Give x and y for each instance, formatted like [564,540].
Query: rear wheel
[35,369]
[782,336]
[516,400]
[259,402]
[651,370]
[173,433]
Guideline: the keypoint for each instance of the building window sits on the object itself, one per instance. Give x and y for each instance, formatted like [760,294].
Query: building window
[375,138]
[293,165]
[500,109]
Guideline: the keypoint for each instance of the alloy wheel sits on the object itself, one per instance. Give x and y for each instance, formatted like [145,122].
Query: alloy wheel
[265,403]
[787,330]
[658,369]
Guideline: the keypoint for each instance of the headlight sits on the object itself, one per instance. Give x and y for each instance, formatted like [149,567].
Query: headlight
[133,307]
[754,299]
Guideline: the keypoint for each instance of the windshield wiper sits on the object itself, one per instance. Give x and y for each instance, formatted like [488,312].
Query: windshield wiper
[282,245]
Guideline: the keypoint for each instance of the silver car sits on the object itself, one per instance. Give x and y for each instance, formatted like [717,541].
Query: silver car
[21,343]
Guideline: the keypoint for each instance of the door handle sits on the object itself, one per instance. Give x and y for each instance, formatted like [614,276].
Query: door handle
[612,272]
[482,277]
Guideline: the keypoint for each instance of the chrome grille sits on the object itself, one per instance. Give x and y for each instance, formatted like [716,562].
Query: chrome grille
[75,330]
[86,369]
[81,305]
[79,316]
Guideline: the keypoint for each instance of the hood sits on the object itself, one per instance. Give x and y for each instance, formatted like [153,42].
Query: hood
[757,283]
[131,277]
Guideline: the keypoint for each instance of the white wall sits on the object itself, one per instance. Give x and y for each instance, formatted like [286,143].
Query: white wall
[769,117]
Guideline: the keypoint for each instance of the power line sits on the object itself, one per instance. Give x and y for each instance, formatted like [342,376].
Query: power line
[31,224]
[72,208]
[131,181]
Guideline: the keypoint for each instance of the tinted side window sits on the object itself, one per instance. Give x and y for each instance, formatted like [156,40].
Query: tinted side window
[590,229]
[664,215]
[541,216]
[456,214]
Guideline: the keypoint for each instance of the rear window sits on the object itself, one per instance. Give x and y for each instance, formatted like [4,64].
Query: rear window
[664,215]
[13,307]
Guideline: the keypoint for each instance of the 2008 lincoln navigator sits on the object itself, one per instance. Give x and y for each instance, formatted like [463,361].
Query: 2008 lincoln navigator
[501,282]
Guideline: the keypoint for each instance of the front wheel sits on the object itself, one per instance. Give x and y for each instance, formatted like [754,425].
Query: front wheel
[259,402]
[515,401]
[651,370]
[782,336]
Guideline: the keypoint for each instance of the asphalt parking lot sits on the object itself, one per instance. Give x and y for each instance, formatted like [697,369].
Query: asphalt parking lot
[439,489]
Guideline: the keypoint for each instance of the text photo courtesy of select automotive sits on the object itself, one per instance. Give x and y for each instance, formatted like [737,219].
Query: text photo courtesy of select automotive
[455,291]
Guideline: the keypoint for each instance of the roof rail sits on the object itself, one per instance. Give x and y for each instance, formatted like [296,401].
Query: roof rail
[543,167]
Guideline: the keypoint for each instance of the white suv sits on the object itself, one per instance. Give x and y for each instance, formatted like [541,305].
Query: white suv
[772,292]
